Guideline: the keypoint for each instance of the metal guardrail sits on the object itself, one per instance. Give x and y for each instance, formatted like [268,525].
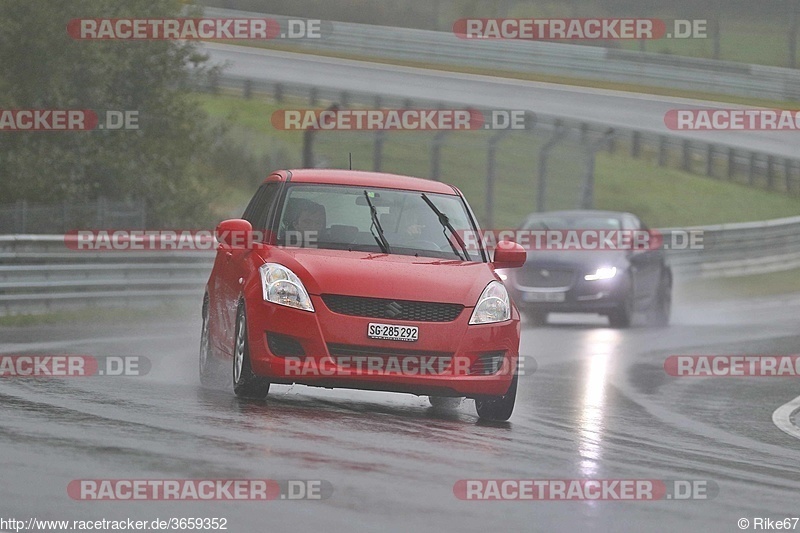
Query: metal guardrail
[40,274]
[741,249]
[566,60]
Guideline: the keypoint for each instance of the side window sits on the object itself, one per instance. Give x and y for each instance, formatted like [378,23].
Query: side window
[261,206]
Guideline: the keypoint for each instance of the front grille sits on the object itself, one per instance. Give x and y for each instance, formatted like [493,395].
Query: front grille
[538,276]
[364,358]
[487,364]
[392,309]
[284,345]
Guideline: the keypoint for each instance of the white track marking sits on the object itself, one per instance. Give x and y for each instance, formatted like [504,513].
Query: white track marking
[782,417]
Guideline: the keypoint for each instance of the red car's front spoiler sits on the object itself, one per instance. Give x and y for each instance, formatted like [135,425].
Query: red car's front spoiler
[322,332]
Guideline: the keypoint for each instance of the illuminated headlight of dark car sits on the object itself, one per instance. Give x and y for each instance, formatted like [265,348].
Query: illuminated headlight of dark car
[283,287]
[601,273]
[493,305]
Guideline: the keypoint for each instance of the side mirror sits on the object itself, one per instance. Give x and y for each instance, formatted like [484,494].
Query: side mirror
[234,232]
[509,254]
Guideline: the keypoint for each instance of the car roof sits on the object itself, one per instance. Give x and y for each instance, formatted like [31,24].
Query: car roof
[582,212]
[360,178]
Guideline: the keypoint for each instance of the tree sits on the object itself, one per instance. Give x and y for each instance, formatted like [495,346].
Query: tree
[42,67]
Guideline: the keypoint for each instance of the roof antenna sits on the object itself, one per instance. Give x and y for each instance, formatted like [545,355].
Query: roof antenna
[351,160]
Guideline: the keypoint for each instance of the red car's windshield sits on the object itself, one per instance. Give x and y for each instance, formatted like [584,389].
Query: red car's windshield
[376,219]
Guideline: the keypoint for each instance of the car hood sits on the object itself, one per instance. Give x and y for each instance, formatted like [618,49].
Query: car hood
[393,276]
[582,259]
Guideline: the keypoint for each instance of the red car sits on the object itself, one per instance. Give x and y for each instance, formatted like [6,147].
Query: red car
[338,278]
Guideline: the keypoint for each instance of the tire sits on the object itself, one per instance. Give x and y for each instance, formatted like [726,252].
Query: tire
[622,316]
[245,383]
[659,313]
[445,403]
[209,365]
[498,408]
[536,318]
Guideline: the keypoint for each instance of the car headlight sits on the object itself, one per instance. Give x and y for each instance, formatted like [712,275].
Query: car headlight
[492,306]
[283,287]
[601,273]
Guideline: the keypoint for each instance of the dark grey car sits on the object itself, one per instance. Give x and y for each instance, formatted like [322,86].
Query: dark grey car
[617,283]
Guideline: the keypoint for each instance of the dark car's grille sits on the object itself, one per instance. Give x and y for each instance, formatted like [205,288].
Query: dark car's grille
[392,309]
[538,276]
[407,361]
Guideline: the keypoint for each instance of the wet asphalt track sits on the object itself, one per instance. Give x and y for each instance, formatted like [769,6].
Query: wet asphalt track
[599,406]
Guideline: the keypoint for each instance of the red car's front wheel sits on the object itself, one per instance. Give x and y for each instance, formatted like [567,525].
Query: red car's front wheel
[245,383]
[498,408]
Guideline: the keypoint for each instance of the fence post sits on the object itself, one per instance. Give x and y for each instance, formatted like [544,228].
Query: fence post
[312,97]
[247,90]
[544,153]
[491,153]
[686,157]
[587,196]
[278,92]
[662,150]
[710,160]
[636,144]
[436,154]
[731,163]
[770,172]
[213,82]
[377,150]
[751,177]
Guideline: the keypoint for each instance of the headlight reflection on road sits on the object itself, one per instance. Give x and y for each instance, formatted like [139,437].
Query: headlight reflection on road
[601,344]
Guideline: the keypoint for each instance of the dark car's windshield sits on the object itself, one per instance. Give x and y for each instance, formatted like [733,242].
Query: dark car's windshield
[341,218]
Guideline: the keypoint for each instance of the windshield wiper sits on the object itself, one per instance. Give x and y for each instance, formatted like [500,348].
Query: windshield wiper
[380,238]
[445,222]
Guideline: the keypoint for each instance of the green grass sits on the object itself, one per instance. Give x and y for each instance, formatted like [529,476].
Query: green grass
[661,196]
[761,42]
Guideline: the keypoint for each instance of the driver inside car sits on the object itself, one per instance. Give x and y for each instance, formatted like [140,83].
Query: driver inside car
[305,222]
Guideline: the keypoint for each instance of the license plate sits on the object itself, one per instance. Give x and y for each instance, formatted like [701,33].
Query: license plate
[391,332]
[544,296]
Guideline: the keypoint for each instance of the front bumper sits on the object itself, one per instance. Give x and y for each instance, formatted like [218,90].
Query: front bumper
[579,296]
[328,349]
